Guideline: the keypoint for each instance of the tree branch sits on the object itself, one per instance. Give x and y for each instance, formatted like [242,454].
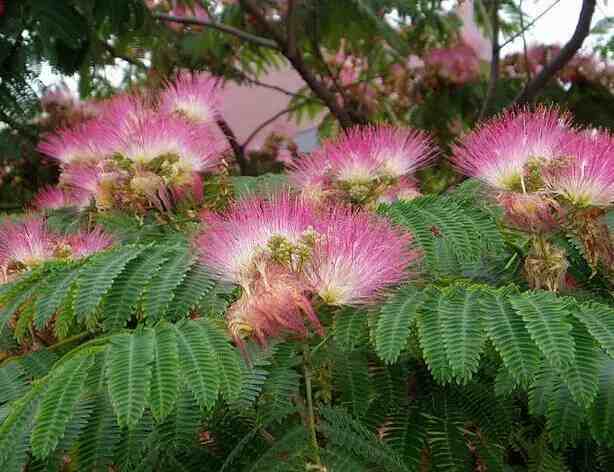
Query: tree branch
[534,86]
[130,60]
[494,60]
[244,35]
[346,117]
[291,26]
[239,151]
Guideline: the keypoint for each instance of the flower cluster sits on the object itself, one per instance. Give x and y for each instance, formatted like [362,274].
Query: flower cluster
[287,254]
[138,152]
[28,242]
[365,166]
[546,174]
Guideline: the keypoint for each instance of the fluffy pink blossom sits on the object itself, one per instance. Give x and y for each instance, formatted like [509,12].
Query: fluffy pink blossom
[363,163]
[91,141]
[52,198]
[86,243]
[182,147]
[585,175]
[533,212]
[500,151]
[357,256]
[192,96]
[25,243]
[275,301]
[231,243]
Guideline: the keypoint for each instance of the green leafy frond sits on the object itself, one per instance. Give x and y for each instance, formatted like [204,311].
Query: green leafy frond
[347,434]
[510,336]
[602,409]
[57,404]
[121,301]
[599,320]
[160,291]
[405,432]
[198,362]
[129,373]
[165,372]
[466,231]
[350,329]
[394,322]
[99,439]
[351,378]
[54,295]
[582,376]
[97,276]
[445,435]
[195,287]
[565,418]
[13,382]
[451,332]
[546,317]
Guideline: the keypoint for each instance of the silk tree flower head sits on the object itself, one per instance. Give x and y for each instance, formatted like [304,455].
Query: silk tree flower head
[357,256]
[169,147]
[276,300]
[533,212]
[364,163]
[25,244]
[584,177]
[509,151]
[91,141]
[194,97]
[53,198]
[279,229]
[86,243]
[92,183]
[283,252]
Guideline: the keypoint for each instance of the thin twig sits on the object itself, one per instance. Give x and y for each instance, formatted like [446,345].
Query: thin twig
[269,121]
[310,411]
[240,75]
[534,86]
[512,38]
[244,35]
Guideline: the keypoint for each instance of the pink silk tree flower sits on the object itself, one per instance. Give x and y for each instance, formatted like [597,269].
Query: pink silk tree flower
[193,96]
[275,301]
[584,177]
[86,243]
[508,151]
[533,212]
[280,228]
[357,256]
[25,243]
[91,141]
[400,151]
[170,146]
[458,64]
[363,163]
[53,198]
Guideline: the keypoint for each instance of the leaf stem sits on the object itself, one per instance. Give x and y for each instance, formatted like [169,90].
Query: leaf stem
[310,412]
